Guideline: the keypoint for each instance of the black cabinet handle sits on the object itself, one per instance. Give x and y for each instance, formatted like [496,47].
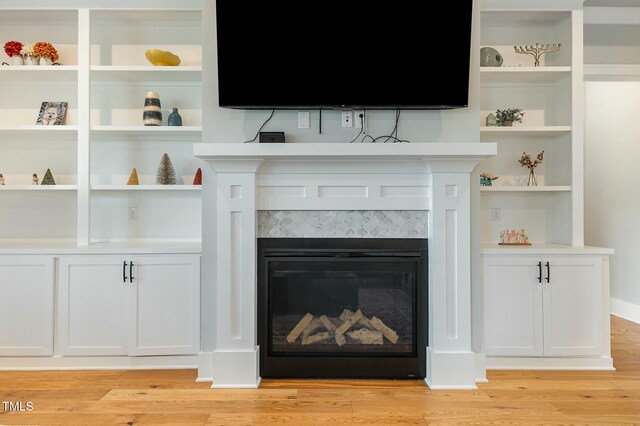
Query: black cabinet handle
[124,272]
[540,272]
[548,272]
[131,272]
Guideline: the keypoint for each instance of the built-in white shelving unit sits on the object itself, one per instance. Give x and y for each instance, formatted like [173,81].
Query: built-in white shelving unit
[553,121]
[104,77]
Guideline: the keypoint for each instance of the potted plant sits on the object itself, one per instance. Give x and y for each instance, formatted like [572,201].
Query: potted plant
[506,117]
[12,49]
[46,52]
[28,55]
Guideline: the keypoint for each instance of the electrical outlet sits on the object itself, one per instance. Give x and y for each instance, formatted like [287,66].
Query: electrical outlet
[133,213]
[303,119]
[347,118]
[496,215]
[360,120]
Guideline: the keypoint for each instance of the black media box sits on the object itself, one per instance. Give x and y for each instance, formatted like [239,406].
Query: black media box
[271,137]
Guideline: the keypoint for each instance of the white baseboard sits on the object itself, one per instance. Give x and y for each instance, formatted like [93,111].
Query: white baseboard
[550,363]
[99,363]
[626,310]
[205,367]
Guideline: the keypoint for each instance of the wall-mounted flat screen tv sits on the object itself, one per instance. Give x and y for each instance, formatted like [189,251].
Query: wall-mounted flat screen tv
[343,54]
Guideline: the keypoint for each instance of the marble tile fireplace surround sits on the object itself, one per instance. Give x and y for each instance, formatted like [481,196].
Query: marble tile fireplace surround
[320,182]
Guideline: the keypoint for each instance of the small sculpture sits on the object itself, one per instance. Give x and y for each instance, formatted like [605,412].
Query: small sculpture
[152,115]
[35,180]
[174,118]
[486,178]
[197,179]
[162,58]
[491,120]
[538,50]
[166,174]
[513,237]
[490,57]
[48,178]
[133,178]
[1,179]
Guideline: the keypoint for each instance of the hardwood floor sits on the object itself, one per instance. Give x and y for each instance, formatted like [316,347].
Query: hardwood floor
[172,397]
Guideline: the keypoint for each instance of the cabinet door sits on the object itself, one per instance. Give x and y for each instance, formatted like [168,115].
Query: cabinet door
[166,305]
[513,306]
[573,307]
[26,305]
[93,306]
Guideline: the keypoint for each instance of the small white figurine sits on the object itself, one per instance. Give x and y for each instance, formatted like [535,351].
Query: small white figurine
[1,179]
[35,180]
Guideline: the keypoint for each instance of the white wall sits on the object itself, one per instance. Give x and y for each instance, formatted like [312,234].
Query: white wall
[612,182]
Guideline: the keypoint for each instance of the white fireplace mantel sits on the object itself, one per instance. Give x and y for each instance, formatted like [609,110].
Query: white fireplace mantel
[434,177]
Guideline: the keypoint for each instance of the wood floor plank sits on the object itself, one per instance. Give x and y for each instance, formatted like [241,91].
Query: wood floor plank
[199,394]
[593,396]
[184,419]
[96,407]
[555,420]
[315,419]
[627,384]
[34,418]
[588,407]
[459,408]
[551,385]
[255,406]
[390,395]
[62,396]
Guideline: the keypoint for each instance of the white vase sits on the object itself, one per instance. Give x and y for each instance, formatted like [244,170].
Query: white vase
[30,60]
[17,60]
[45,61]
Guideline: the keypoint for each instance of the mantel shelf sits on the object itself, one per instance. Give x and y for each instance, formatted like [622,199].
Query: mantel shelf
[544,188]
[146,187]
[344,151]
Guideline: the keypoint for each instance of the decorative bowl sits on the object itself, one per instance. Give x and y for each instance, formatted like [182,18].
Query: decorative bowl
[162,58]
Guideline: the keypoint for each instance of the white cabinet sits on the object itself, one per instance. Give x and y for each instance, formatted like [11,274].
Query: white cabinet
[129,305]
[545,306]
[26,305]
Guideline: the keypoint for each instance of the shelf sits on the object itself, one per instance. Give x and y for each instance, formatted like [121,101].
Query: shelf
[187,131]
[39,73]
[146,73]
[544,188]
[146,188]
[523,74]
[38,129]
[39,188]
[133,246]
[540,248]
[543,131]
[611,72]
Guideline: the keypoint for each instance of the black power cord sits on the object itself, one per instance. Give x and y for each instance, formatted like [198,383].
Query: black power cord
[261,127]
[361,116]
[393,136]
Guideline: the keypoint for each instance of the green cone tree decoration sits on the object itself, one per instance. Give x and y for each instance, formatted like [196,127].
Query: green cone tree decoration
[133,178]
[166,174]
[48,178]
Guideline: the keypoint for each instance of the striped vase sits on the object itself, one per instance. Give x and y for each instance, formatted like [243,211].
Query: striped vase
[152,115]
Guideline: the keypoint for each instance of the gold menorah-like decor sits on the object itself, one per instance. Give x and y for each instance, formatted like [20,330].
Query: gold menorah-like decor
[538,50]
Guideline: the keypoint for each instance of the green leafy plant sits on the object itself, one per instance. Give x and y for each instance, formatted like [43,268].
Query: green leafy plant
[513,115]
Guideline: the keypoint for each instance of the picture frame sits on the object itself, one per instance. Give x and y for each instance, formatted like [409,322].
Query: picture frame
[52,114]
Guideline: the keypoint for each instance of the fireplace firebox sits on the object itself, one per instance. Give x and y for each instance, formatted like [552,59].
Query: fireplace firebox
[342,307]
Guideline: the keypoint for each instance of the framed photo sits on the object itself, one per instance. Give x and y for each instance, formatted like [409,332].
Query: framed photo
[52,113]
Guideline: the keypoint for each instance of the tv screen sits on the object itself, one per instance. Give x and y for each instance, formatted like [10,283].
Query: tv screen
[343,54]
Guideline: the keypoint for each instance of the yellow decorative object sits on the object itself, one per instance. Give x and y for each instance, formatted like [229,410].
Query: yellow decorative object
[133,178]
[162,58]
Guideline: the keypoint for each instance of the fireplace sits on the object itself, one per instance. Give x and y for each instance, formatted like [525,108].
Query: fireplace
[342,307]
[246,179]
